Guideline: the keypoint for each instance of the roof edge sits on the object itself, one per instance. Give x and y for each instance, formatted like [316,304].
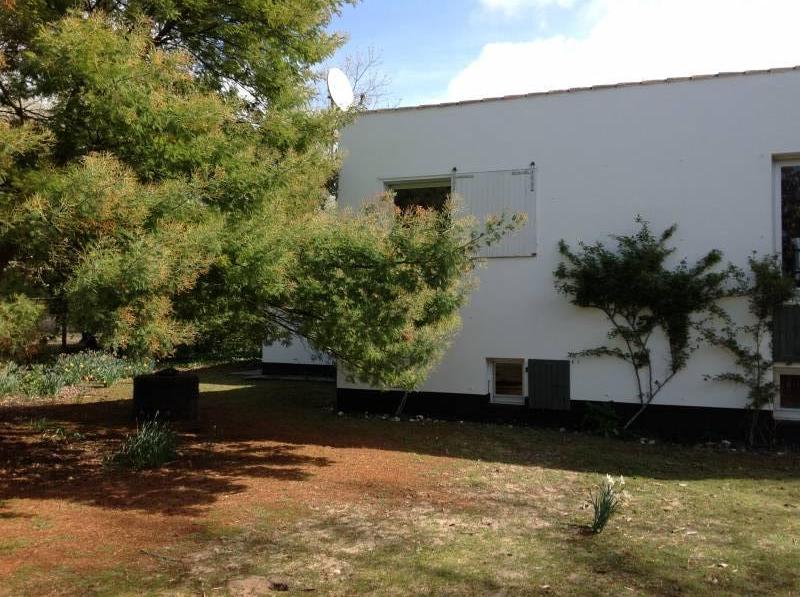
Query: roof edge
[600,87]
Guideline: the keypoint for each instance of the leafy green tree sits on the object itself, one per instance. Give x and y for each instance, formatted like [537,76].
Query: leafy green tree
[633,285]
[766,288]
[162,183]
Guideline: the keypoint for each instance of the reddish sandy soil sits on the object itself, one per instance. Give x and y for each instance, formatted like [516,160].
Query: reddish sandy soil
[61,507]
[271,489]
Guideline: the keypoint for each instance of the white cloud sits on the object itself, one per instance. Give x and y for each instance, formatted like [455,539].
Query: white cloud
[632,40]
[513,7]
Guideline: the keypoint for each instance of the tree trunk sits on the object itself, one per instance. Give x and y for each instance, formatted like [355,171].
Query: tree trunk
[64,331]
[751,438]
[635,416]
[402,405]
[762,430]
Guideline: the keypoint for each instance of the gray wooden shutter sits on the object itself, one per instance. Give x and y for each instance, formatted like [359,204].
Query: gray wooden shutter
[786,334]
[492,193]
[548,384]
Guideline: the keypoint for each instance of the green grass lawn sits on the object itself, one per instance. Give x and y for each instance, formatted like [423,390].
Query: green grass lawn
[273,490]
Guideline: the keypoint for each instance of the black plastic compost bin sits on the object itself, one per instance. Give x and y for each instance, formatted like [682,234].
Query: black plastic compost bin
[170,394]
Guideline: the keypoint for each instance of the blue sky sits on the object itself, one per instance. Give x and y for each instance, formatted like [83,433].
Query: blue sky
[444,50]
[423,43]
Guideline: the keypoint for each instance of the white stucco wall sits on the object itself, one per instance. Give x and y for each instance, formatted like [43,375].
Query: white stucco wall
[699,153]
[297,352]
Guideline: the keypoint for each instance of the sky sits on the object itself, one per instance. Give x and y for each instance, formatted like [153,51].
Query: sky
[448,50]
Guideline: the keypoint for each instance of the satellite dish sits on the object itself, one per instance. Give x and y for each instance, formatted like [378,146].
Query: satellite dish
[339,89]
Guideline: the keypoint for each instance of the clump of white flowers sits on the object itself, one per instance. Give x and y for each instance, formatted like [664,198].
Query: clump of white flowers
[606,501]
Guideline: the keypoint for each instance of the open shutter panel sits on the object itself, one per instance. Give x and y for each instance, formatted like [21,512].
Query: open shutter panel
[485,194]
[786,334]
[548,384]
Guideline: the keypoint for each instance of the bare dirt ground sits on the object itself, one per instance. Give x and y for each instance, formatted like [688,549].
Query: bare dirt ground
[273,492]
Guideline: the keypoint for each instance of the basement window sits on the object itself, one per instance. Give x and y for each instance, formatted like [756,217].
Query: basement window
[790,391]
[507,381]
[787,403]
[424,194]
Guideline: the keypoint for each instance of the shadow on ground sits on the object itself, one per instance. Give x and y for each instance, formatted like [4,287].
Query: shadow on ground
[263,429]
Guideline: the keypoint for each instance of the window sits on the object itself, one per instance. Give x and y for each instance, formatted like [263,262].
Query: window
[788,190]
[507,381]
[427,194]
[481,195]
[790,391]
[787,405]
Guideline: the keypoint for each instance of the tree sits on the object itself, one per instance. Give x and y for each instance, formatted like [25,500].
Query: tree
[128,142]
[370,83]
[162,175]
[766,288]
[640,294]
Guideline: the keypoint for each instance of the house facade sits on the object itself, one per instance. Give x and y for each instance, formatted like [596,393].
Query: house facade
[717,155]
[295,357]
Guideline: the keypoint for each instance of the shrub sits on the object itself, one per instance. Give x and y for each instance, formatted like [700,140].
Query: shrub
[606,502]
[152,445]
[40,380]
[68,370]
[19,327]
[602,418]
[32,380]
[97,366]
[767,288]
[10,379]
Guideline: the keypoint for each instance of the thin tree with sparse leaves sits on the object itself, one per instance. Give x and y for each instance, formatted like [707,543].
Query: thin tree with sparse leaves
[766,287]
[633,285]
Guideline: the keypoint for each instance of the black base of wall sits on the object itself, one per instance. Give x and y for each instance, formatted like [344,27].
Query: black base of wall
[298,369]
[433,404]
[677,423]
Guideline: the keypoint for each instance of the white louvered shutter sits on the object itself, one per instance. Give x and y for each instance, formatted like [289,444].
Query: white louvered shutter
[486,194]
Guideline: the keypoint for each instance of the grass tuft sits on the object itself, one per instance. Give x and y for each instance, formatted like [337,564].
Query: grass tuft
[40,425]
[152,445]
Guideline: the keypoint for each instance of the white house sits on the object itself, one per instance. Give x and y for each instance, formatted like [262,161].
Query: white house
[718,155]
[295,357]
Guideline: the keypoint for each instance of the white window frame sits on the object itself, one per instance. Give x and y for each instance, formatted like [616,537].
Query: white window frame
[509,399]
[419,183]
[777,235]
[779,162]
[779,413]
[411,182]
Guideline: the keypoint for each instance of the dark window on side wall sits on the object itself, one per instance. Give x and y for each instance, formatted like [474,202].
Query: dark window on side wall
[428,194]
[508,377]
[790,219]
[790,391]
